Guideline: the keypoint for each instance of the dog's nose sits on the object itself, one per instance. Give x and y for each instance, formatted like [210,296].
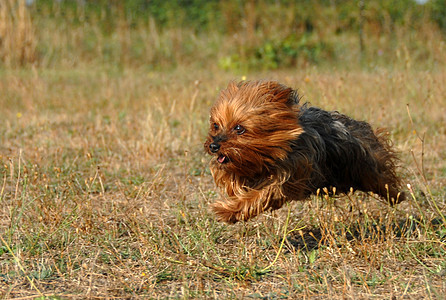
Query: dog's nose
[214,147]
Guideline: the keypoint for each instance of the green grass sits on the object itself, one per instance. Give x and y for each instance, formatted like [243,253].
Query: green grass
[105,192]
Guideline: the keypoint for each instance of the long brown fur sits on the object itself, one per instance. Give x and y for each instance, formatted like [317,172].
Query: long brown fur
[267,149]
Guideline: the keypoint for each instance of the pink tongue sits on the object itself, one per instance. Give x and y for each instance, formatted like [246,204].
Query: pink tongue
[221,159]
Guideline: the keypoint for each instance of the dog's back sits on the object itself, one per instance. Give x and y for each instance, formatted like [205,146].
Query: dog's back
[346,153]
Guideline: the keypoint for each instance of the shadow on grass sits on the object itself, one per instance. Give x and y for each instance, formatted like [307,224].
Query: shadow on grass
[313,238]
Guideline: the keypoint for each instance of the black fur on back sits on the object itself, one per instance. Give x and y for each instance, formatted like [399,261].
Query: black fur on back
[341,152]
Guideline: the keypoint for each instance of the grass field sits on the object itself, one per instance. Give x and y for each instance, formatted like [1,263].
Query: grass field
[105,191]
[104,183]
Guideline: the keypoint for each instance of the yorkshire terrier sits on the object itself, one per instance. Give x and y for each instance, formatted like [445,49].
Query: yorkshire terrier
[268,149]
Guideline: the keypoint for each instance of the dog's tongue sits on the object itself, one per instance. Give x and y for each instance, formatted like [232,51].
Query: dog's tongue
[221,159]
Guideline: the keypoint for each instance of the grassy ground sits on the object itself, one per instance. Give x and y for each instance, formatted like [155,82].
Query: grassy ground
[104,192]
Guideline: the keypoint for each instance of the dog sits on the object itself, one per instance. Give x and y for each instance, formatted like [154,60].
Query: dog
[268,149]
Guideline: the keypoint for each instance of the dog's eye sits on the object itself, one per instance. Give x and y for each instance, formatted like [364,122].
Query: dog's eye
[215,126]
[239,129]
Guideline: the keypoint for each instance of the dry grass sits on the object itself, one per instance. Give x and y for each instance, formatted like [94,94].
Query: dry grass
[263,35]
[17,34]
[105,189]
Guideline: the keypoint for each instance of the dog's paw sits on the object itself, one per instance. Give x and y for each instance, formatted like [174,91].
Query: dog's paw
[225,213]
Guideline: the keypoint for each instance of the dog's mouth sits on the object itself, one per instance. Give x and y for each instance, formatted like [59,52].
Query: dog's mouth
[223,159]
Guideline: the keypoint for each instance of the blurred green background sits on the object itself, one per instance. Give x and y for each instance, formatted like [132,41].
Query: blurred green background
[231,34]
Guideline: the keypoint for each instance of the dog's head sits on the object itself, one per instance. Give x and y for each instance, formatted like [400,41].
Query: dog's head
[252,124]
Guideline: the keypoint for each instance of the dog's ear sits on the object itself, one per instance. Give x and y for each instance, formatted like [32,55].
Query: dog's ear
[232,88]
[261,91]
[279,93]
[230,91]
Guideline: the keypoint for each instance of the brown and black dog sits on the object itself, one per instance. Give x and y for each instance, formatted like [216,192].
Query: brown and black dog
[267,149]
